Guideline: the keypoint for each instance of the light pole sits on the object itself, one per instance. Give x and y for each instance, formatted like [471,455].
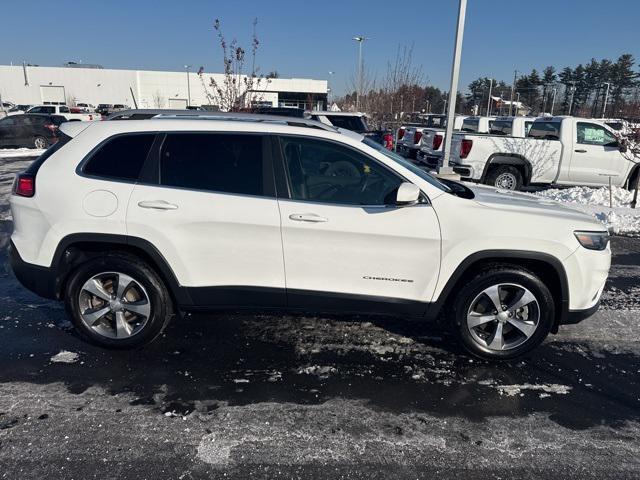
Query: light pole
[329,87]
[573,91]
[513,86]
[489,100]
[453,91]
[360,39]
[187,67]
[606,98]
[553,101]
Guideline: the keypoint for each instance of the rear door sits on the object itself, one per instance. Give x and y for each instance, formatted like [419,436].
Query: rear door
[345,245]
[207,204]
[7,131]
[595,156]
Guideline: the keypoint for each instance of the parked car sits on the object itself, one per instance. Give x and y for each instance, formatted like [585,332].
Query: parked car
[64,111]
[409,141]
[431,141]
[18,109]
[104,108]
[354,121]
[110,221]
[86,107]
[30,130]
[556,150]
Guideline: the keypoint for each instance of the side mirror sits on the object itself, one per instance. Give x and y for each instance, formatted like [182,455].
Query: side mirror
[623,146]
[408,194]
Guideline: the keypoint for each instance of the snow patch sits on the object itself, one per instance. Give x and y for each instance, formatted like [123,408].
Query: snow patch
[620,217]
[20,152]
[513,390]
[65,357]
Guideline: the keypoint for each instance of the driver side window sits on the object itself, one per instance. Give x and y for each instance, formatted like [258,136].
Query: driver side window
[592,134]
[325,172]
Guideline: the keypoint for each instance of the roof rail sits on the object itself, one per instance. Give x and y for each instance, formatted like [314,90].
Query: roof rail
[247,117]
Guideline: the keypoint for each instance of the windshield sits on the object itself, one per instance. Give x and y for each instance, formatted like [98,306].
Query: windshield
[406,164]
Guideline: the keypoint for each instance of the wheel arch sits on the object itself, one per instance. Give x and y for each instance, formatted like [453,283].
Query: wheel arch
[547,267]
[512,159]
[75,249]
[633,174]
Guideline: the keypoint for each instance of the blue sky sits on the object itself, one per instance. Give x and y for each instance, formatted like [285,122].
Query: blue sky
[309,39]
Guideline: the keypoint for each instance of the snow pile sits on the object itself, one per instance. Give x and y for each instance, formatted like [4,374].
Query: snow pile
[621,218]
[20,152]
[65,357]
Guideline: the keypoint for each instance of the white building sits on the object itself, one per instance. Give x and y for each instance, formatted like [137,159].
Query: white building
[63,85]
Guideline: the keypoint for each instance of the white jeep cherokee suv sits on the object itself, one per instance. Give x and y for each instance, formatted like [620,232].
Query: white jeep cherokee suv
[129,222]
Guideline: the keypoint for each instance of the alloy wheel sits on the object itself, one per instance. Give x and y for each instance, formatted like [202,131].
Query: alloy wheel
[503,316]
[114,305]
[40,142]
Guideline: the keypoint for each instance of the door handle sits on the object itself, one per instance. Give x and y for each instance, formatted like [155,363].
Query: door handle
[580,151]
[157,205]
[307,217]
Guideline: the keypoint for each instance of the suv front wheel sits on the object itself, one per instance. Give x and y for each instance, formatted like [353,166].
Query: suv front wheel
[118,301]
[503,313]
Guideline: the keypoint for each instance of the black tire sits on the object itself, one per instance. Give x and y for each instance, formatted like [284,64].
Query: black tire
[40,142]
[161,305]
[634,180]
[494,275]
[504,176]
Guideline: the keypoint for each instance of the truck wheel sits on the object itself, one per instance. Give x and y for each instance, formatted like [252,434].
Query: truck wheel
[634,180]
[40,142]
[505,177]
[503,313]
[117,301]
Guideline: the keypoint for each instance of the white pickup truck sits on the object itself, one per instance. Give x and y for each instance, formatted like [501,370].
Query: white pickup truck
[430,145]
[65,112]
[556,150]
[409,136]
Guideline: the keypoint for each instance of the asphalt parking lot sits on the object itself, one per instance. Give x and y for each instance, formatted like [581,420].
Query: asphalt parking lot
[260,396]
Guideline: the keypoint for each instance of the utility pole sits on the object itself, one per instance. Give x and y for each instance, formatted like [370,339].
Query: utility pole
[606,98]
[446,170]
[553,101]
[360,39]
[187,67]
[513,87]
[573,91]
[489,100]
[329,87]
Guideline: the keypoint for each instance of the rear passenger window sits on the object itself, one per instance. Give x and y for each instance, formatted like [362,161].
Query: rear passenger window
[121,157]
[545,130]
[228,163]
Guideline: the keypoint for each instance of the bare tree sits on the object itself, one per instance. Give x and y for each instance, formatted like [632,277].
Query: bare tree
[158,100]
[236,90]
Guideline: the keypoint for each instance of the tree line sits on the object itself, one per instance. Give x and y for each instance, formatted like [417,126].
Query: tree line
[579,90]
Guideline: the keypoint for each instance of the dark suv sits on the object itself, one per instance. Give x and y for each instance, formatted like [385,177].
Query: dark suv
[31,130]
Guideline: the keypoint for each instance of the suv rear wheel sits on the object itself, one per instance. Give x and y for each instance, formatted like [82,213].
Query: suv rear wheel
[503,312]
[118,301]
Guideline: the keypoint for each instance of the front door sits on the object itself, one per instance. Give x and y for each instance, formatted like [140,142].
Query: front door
[214,217]
[595,156]
[346,246]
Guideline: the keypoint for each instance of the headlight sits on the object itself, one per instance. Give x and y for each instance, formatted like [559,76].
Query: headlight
[593,240]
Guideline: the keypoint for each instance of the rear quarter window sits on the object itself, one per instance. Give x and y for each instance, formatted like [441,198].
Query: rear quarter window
[120,157]
[545,130]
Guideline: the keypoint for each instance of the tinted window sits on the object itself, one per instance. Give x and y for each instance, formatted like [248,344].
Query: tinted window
[355,124]
[502,127]
[120,157]
[593,134]
[527,127]
[545,130]
[470,125]
[63,110]
[325,172]
[216,162]
[43,110]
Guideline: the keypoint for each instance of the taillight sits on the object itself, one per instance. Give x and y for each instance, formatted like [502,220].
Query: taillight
[465,148]
[24,185]
[51,126]
[387,140]
[417,137]
[400,133]
[437,141]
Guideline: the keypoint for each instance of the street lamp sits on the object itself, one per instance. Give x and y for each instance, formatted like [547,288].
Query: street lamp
[446,170]
[489,99]
[360,39]
[606,98]
[329,87]
[187,67]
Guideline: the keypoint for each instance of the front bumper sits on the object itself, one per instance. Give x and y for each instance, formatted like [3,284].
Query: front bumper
[40,280]
[576,316]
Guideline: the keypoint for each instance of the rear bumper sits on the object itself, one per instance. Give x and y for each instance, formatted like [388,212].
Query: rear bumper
[576,316]
[40,280]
